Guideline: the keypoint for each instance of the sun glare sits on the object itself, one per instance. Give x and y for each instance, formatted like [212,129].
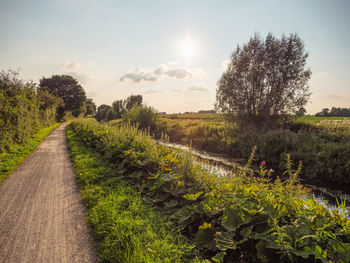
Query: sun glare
[187,48]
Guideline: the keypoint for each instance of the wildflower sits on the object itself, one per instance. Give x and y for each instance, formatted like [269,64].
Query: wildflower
[271,171]
[317,199]
[263,163]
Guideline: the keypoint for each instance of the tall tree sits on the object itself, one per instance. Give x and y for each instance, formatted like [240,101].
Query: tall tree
[119,107]
[266,78]
[90,107]
[133,100]
[67,88]
[102,111]
[301,112]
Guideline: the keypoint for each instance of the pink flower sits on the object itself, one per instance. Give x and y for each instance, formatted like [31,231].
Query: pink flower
[271,171]
[263,163]
[317,199]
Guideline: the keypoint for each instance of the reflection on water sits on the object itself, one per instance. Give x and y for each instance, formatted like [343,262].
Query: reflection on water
[222,165]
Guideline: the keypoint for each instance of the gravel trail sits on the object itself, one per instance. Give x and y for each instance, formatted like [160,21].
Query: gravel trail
[41,213]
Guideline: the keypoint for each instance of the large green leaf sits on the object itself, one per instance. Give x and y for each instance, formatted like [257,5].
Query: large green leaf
[234,218]
[225,240]
[183,214]
[205,239]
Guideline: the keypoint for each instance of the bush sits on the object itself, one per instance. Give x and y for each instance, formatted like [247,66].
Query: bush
[143,116]
[23,111]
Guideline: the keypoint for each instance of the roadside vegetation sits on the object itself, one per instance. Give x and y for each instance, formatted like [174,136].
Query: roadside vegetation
[126,228]
[235,218]
[29,112]
[12,158]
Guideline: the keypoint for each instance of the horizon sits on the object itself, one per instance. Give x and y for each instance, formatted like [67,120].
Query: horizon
[171,53]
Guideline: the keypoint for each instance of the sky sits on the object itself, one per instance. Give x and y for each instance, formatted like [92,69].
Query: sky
[170,52]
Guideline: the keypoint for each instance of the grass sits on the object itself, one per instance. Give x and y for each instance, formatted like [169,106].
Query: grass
[321,143]
[195,116]
[231,218]
[126,229]
[9,161]
[318,119]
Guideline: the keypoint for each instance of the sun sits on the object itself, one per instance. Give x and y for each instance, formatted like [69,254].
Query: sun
[187,48]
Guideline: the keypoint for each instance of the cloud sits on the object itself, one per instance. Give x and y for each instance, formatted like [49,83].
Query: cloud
[77,71]
[194,88]
[198,88]
[139,74]
[178,90]
[152,91]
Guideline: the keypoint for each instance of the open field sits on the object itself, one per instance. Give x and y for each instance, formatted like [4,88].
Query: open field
[220,117]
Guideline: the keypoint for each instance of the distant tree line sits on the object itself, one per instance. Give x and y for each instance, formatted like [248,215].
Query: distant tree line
[334,112]
[118,109]
[26,107]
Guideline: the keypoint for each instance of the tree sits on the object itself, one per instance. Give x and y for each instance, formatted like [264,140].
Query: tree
[265,79]
[301,112]
[133,100]
[119,107]
[102,111]
[67,88]
[111,115]
[90,107]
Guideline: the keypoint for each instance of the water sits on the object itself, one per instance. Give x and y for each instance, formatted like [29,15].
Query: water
[222,165]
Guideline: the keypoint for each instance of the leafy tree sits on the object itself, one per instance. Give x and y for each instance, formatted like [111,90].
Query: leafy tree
[67,88]
[90,107]
[119,107]
[102,111]
[111,115]
[301,112]
[145,117]
[265,79]
[133,100]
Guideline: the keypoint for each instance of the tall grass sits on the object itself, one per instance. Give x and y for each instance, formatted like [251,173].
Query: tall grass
[127,229]
[237,217]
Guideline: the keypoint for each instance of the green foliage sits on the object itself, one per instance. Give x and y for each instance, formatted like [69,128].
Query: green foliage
[143,116]
[102,111]
[321,144]
[132,101]
[23,111]
[10,160]
[90,107]
[69,90]
[119,107]
[238,216]
[127,230]
[265,79]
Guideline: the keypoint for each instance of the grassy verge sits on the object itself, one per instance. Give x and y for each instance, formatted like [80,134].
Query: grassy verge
[126,229]
[9,161]
[233,218]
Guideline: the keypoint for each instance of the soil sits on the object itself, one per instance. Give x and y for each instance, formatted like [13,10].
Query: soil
[42,218]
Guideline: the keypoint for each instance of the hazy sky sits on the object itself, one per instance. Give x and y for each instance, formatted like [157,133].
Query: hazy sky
[171,52]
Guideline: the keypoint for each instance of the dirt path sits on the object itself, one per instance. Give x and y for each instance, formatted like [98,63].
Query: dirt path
[41,215]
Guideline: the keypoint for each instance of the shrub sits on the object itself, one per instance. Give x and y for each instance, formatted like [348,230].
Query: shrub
[143,116]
